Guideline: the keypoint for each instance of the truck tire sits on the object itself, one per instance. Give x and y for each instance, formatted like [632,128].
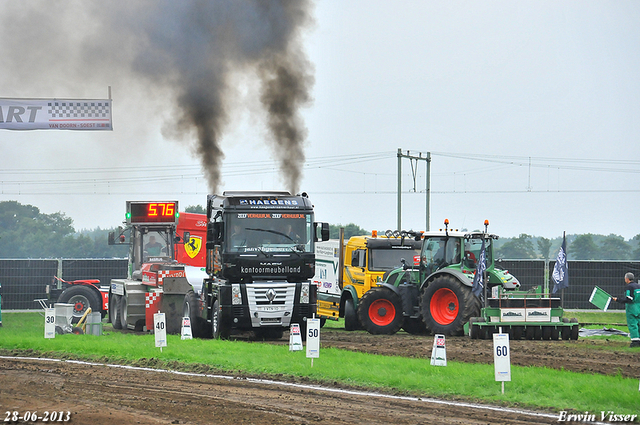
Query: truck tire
[114,311]
[218,329]
[447,304]
[380,312]
[350,317]
[122,310]
[82,297]
[190,310]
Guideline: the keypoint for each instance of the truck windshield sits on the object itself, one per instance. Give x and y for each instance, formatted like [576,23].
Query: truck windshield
[389,259]
[270,232]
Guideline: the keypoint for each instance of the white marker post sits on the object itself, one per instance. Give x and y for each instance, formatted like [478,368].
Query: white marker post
[439,351]
[313,339]
[295,339]
[160,330]
[49,323]
[185,332]
[502,358]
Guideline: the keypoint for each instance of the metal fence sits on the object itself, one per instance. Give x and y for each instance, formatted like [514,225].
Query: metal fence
[24,281]
[583,277]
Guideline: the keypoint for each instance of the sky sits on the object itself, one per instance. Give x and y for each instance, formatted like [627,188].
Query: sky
[529,110]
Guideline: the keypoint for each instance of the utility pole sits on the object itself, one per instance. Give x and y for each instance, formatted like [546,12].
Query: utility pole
[413,158]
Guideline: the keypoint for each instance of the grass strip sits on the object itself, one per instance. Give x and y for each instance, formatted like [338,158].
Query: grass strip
[531,387]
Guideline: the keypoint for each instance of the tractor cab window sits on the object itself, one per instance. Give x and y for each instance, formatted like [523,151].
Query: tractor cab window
[472,250]
[440,252]
[154,245]
[389,259]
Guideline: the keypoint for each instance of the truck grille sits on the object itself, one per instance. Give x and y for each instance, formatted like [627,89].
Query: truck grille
[271,294]
[271,303]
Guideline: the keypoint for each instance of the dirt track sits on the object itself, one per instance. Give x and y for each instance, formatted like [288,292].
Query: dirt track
[100,394]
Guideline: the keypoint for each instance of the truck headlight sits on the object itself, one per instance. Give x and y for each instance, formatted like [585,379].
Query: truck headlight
[304,293]
[236,294]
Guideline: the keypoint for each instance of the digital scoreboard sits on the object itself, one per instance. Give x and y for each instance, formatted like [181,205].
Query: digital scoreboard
[152,212]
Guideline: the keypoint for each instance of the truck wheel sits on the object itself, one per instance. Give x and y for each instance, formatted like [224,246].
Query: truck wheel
[350,317]
[82,297]
[380,312]
[114,311]
[447,305]
[218,329]
[414,326]
[122,310]
[190,310]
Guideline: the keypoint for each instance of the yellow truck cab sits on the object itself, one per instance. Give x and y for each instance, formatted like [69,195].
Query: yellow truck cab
[364,260]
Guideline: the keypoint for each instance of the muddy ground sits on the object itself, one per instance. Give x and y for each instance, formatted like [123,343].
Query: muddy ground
[97,394]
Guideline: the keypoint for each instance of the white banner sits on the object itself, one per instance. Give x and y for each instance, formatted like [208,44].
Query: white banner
[43,114]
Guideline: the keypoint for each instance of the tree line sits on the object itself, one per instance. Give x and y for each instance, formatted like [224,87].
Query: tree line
[587,246]
[25,232]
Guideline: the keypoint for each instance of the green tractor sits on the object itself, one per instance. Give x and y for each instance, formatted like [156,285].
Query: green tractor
[434,293]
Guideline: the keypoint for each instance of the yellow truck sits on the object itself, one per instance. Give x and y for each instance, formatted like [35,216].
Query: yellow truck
[363,261]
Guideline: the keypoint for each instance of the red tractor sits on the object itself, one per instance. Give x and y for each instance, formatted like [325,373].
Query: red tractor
[85,293]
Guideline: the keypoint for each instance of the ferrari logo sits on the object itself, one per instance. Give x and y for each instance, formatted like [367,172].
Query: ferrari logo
[192,248]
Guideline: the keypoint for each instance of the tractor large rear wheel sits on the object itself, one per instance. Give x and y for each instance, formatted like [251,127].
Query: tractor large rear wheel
[380,312]
[447,305]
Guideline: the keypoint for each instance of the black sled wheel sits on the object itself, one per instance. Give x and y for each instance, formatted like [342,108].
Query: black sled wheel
[415,326]
[447,304]
[268,334]
[575,329]
[380,312]
[82,297]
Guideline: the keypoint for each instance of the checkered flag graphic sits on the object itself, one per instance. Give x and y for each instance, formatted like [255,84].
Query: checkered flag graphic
[79,109]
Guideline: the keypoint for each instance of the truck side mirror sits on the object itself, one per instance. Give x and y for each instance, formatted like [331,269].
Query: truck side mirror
[325,234]
[215,234]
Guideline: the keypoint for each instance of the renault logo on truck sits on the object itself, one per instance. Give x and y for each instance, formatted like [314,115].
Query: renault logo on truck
[271,294]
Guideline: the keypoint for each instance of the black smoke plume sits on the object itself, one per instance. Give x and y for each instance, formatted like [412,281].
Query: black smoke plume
[185,53]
